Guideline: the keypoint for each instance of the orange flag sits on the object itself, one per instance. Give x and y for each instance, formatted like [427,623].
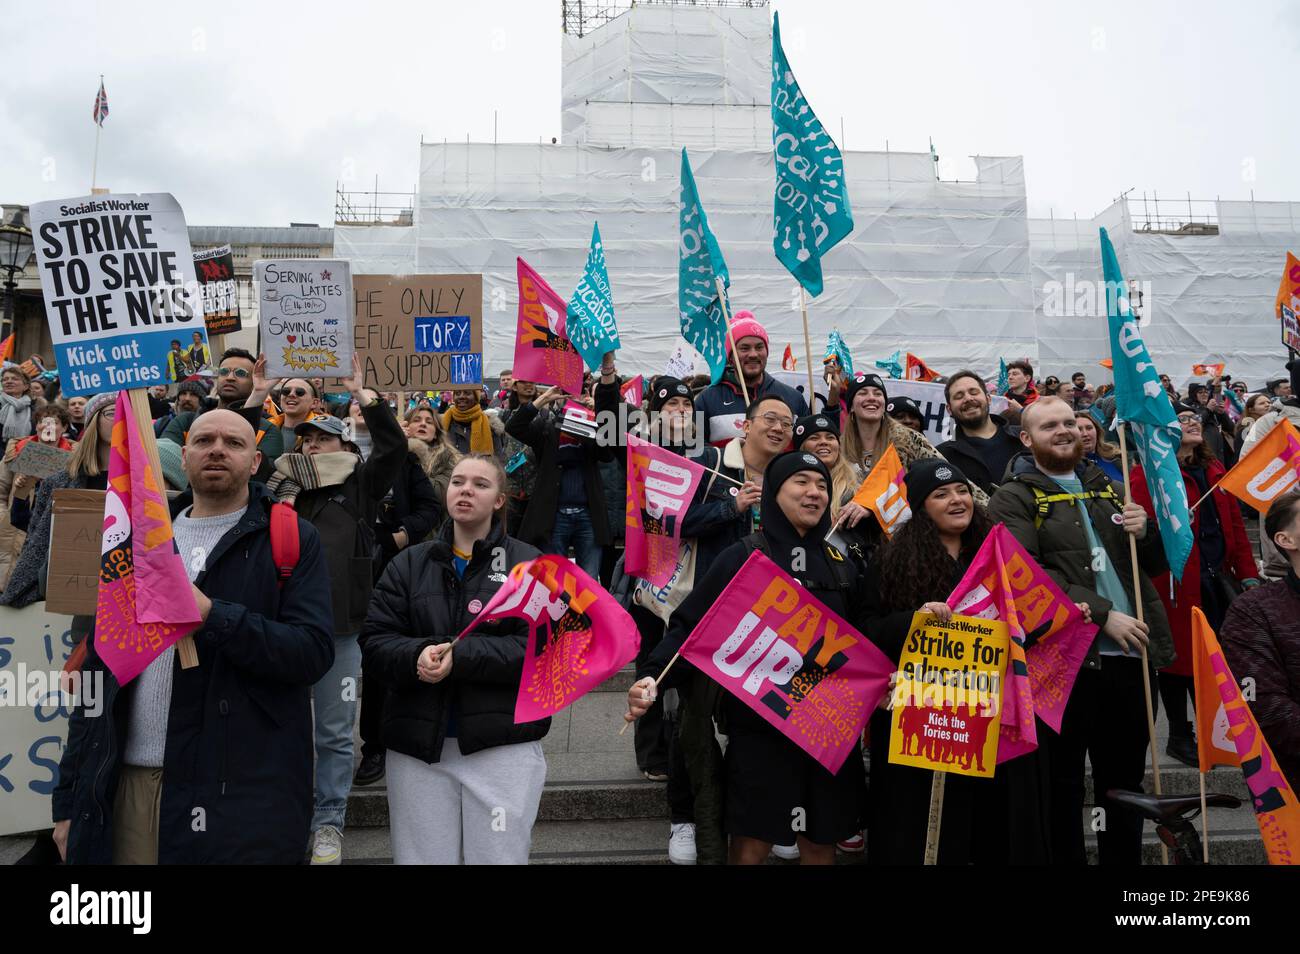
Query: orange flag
[788,361]
[1213,370]
[1289,290]
[1225,724]
[1268,470]
[917,370]
[1106,363]
[7,349]
[884,493]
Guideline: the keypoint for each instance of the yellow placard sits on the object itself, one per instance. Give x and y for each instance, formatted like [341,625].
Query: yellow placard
[948,696]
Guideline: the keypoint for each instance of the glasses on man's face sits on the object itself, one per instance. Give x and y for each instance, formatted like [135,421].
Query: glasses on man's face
[240,373]
[775,420]
[296,392]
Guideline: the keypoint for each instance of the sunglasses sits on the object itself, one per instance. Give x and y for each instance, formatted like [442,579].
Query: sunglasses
[295,392]
[237,372]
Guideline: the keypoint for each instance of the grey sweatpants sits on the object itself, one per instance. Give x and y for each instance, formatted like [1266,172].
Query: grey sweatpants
[465,809]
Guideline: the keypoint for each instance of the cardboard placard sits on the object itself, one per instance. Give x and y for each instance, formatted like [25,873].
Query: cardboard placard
[76,532]
[34,712]
[305,316]
[39,460]
[949,694]
[419,332]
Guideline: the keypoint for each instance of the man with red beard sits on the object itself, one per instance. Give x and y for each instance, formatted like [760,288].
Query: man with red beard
[1069,516]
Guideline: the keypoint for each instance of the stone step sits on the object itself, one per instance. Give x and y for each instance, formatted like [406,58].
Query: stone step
[632,841]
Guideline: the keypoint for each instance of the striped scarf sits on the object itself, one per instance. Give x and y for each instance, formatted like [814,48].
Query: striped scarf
[296,473]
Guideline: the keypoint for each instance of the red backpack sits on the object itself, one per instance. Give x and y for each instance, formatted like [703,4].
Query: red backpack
[284,554]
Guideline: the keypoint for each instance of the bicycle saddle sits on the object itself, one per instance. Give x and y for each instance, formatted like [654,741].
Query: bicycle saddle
[1166,808]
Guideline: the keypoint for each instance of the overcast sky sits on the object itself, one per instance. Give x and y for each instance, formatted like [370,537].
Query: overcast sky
[250,112]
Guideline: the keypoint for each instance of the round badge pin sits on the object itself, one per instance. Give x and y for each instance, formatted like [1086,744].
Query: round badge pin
[1117,519]
[475,606]
[733,491]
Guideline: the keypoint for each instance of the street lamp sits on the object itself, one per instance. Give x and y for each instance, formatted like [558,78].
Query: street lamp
[16,247]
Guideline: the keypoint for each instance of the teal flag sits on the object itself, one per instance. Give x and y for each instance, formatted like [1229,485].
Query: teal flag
[811,204]
[1144,405]
[893,364]
[590,325]
[703,321]
[1004,379]
[837,348]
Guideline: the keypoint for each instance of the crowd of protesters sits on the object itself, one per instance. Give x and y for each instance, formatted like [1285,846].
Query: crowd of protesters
[397,508]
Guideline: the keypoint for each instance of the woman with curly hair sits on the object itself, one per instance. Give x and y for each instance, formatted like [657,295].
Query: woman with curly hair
[1000,820]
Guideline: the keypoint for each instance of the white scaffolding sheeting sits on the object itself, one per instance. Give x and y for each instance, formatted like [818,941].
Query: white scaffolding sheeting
[1208,298]
[699,75]
[940,268]
[376,249]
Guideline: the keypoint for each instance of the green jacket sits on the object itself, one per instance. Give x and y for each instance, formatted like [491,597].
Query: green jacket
[269,440]
[1059,543]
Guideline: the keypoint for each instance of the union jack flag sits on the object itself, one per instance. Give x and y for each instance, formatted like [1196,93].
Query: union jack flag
[101,105]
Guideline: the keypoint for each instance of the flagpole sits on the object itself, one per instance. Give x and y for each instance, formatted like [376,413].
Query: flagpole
[1205,823]
[936,818]
[677,655]
[726,317]
[807,350]
[99,128]
[1137,602]
[189,656]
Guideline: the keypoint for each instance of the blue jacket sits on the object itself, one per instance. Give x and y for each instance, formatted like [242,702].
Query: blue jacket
[239,747]
[723,406]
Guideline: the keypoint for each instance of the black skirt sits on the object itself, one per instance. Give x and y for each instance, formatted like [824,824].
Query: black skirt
[776,792]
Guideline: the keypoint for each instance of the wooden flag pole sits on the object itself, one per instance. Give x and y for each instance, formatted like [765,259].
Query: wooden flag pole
[676,656]
[936,818]
[1205,824]
[185,650]
[726,316]
[1137,603]
[807,350]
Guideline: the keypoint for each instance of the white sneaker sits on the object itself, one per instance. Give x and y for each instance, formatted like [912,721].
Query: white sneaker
[327,846]
[681,844]
[786,852]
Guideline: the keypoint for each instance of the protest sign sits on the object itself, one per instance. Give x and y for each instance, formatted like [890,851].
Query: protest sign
[34,644]
[76,538]
[215,268]
[1290,329]
[948,694]
[419,332]
[578,420]
[930,398]
[39,460]
[780,651]
[660,486]
[305,315]
[681,363]
[118,277]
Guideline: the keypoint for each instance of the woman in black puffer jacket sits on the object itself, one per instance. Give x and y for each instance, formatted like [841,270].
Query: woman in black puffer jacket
[456,758]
